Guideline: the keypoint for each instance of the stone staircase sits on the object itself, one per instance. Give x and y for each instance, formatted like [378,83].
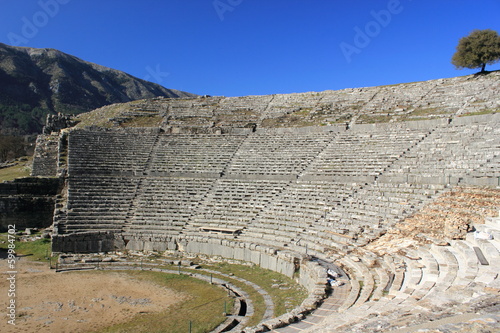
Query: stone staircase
[421,285]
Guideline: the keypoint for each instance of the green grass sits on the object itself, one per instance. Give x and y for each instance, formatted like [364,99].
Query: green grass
[204,306]
[143,121]
[20,170]
[372,119]
[422,112]
[285,298]
[3,241]
[256,298]
[481,112]
[285,293]
[101,117]
[38,250]
[303,112]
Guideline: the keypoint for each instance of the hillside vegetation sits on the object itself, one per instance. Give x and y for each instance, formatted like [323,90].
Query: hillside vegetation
[35,82]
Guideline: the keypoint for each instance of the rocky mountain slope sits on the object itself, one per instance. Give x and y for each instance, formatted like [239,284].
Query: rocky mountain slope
[35,82]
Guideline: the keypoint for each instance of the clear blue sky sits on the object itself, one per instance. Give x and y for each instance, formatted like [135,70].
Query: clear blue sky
[255,47]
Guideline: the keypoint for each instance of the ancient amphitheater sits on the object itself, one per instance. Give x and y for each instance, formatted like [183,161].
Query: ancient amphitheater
[395,188]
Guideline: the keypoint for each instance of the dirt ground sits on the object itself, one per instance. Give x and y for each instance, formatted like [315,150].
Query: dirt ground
[77,301]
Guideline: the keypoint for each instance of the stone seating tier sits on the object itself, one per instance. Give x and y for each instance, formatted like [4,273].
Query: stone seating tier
[268,193]
[195,153]
[362,154]
[164,205]
[108,152]
[270,153]
[451,151]
[426,282]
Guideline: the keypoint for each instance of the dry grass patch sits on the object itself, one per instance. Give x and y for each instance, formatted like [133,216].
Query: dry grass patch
[22,168]
[202,304]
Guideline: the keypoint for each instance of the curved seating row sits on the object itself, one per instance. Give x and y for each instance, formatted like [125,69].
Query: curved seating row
[421,284]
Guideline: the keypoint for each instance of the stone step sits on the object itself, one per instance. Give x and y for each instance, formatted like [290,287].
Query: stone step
[448,269]
[467,264]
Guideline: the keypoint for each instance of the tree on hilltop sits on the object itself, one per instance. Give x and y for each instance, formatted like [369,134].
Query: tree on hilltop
[478,49]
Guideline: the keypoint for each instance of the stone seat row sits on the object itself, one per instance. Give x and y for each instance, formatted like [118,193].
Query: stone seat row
[275,154]
[394,194]
[107,168]
[164,183]
[173,229]
[92,220]
[369,211]
[221,212]
[95,144]
[91,184]
[244,207]
[167,201]
[379,208]
[308,200]
[425,170]
[172,198]
[92,146]
[176,223]
[345,167]
[101,225]
[394,285]
[282,212]
[189,167]
[297,195]
[181,146]
[460,157]
[104,189]
[112,193]
[240,213]
[450,151]
[194,143]
[87,201]
[171,218]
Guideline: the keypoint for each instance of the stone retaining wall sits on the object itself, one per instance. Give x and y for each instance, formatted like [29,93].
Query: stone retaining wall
[86,242]
[28,202]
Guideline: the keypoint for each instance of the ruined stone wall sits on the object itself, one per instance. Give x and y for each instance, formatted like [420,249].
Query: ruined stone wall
[86,242]
[55,123]
[45,159]
[28,202]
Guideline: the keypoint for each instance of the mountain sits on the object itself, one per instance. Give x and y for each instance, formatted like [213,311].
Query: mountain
[35,82]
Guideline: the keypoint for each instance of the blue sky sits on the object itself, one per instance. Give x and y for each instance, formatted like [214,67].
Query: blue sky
[255,47]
